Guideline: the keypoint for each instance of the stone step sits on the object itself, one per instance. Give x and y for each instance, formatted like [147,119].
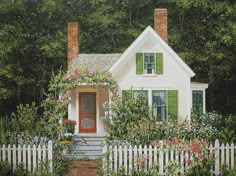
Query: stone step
[86,147]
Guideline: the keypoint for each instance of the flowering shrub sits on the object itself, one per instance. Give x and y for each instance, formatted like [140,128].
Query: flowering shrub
[69,122]
[60,87]
[197,155]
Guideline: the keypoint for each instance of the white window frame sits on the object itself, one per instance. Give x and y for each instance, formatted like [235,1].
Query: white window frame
[150,101]
[153,70]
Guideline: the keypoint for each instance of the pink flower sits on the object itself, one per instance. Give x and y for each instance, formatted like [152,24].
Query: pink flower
[77,73]
[91,73]
[189,161]
[195,148]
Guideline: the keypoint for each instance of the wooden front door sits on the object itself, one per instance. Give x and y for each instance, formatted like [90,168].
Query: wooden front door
[87,112]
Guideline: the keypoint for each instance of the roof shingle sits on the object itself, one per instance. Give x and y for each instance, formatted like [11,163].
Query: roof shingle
[95,62]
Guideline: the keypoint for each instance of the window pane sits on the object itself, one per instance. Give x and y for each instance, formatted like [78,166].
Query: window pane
[149,63]
[197,101]
[159,105]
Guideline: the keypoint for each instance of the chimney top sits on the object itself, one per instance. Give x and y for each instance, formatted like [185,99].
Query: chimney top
[161,23]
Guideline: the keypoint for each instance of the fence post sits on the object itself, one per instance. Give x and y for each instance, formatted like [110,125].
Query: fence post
[50,155]
[217,163]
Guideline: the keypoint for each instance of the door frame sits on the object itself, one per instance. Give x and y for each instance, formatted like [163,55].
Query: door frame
[79,107]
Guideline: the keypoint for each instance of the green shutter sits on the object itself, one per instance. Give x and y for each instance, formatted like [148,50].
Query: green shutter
[139,63]
[159,63]
[173,104]
[126,94]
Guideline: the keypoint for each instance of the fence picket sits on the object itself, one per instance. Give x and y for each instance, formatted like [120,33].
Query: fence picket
[135,158]
[14,156]
[34,157]
[232,155]
[104,160]
[19,154]
[24,156]
[29,158]
[161,162]
[50,155]
[145,158]
[150,157]
[217,164]
[9,153]
[227,155]
[110,158]
[44,152]
[155,155]
[140,154]
[125,159]
[167,157]
[171,155]
[4,152]
[120,157]
[132,158]
[222,154]
[39,153]
[115,158]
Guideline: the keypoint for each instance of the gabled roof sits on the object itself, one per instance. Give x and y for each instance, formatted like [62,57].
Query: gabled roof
[95,62]
[141,39]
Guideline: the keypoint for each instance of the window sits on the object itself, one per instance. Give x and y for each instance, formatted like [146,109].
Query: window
[197,101]
[159,102]
[149,63]
[163,102]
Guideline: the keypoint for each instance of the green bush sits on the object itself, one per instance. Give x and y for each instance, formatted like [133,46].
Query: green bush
[127,114]
[132,123]
[5,169]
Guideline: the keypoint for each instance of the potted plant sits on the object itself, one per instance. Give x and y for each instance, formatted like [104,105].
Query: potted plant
[66,142]
[69,126]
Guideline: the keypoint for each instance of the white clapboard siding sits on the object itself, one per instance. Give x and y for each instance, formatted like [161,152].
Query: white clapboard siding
[132,158]
[29,155]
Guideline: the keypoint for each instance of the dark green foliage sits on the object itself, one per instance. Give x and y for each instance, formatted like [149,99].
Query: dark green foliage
[5,169]
[132,123]
[33,41]
[224,124]
[127,114]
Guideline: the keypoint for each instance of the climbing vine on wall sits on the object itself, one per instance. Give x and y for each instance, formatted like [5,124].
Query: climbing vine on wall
[60,92]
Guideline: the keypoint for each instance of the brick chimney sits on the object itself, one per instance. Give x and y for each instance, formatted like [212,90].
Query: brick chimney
[161,23]
[72,42]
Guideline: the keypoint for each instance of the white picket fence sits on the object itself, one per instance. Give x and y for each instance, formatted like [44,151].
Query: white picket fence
[29,155]
[131,158]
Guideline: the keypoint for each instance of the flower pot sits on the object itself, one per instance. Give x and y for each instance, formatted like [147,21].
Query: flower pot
[70,130]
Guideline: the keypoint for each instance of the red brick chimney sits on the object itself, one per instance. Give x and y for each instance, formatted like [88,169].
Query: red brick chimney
[161,23]
[72,42]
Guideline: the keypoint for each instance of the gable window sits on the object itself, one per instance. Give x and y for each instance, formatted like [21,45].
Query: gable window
[149,63]
[197,101]
[159,105]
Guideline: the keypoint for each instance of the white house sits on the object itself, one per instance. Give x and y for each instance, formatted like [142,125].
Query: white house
[150,65]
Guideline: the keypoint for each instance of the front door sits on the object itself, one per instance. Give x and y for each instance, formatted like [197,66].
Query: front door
[87,112]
